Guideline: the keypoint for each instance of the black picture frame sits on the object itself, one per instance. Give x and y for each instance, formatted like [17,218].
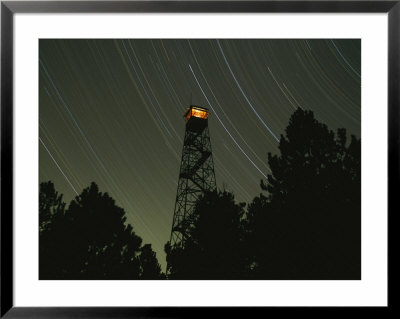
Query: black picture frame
[9,8]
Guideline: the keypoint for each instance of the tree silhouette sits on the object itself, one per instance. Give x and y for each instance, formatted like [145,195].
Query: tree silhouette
[215,247]
[51,210]
[149,266]
[50,205]
[90,240]
[308,225]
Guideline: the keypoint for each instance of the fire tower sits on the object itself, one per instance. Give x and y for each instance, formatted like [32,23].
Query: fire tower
[196,174]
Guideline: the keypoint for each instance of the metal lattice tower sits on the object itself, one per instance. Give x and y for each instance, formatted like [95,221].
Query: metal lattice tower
[196,175]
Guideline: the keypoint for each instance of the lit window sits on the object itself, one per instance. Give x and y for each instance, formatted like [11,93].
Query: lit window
[196,112]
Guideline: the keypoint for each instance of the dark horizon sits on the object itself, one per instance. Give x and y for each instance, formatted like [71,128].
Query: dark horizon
[111,111]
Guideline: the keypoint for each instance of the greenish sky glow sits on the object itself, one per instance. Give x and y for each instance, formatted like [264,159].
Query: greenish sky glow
[111,111]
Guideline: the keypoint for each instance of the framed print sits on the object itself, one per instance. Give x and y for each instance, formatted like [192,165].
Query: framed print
[173,158]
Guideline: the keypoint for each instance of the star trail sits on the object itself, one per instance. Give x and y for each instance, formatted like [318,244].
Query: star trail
[111,111]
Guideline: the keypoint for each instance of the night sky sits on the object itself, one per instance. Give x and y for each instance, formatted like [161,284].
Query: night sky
[111,111]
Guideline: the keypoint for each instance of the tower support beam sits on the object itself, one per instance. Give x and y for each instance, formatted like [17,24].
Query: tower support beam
[196,174]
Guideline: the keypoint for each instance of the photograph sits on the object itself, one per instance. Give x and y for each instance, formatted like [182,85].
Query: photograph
[199,159]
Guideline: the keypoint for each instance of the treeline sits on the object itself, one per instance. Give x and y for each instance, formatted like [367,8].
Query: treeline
[90,239]
[305,223]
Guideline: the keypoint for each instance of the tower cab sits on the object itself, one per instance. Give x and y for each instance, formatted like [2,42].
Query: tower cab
[196,118]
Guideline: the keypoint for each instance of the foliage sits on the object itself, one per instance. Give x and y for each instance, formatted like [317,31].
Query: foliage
[214,249]
[90,240]
[149,266]
[50,205]
[308,226]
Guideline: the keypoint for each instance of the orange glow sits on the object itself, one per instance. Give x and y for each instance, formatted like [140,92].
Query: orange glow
[199,113]
[196,112]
